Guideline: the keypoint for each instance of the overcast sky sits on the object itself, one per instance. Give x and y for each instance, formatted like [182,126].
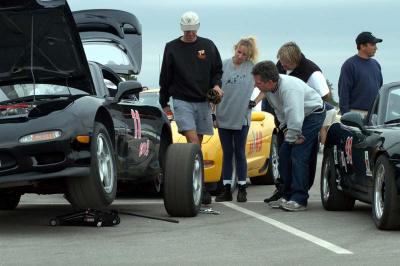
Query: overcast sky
[325,30]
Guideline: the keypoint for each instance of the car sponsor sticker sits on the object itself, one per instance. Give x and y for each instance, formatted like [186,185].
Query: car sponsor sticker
[144,148]
[136,120]
[335,156]
[343,160]
[347,149]
[256,144]
[368,171]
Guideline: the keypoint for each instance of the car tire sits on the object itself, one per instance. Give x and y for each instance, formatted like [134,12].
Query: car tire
[97,190]
[183,180]
[9,200]
[332,198]
[385,200]
[273,162]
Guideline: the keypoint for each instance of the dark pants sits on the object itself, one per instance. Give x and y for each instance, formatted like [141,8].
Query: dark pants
[294,160]
[234,142]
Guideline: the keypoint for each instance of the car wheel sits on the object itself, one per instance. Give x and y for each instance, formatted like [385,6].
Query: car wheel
[332,198]
[385,201]
[99,189]
[183,180]
[9,200]
[273,162]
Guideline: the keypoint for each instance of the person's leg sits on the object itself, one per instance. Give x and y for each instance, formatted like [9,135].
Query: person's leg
[239,138]
[226,139]
[301,156]
[285,169]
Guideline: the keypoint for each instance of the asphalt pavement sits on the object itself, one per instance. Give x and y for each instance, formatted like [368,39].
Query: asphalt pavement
[242,234]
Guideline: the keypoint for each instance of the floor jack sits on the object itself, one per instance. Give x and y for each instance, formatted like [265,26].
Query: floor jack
[92,217]
[89,217]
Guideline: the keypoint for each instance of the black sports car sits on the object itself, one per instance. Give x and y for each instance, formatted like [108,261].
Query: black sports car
[76,127]
[362,160]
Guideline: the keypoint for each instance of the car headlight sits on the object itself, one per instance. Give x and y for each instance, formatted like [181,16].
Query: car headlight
[41,136]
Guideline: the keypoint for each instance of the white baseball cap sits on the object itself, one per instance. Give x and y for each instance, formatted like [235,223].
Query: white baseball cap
[190,21]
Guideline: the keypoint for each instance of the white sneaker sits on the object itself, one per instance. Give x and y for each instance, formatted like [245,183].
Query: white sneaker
[277,203]
[293,206]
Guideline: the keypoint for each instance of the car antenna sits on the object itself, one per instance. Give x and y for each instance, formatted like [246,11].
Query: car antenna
[33,74]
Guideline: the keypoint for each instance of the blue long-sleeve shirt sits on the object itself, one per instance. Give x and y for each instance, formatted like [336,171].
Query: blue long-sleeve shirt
[359,82]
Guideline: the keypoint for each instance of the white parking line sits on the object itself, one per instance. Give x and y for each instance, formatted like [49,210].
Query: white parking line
[289,229]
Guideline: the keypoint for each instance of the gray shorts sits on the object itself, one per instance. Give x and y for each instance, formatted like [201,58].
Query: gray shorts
[194,116]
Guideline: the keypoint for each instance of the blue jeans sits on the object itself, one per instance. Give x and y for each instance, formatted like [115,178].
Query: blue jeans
[234,142]
[294,160]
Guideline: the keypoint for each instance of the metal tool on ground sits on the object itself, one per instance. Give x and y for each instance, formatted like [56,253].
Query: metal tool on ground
[209,211]
[149,217]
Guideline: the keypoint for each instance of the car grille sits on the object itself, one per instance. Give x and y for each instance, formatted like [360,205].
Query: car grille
[7,161]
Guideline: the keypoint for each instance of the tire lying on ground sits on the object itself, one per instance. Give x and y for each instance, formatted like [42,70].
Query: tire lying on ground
[97,190]
[183,179]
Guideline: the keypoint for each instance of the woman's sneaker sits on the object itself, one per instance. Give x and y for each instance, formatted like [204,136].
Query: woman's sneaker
[293,206]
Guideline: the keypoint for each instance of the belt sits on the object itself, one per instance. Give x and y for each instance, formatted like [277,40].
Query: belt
[319,110]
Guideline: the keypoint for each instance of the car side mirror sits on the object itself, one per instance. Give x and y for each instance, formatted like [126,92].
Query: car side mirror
[125,88]
[353,119]
[257,116]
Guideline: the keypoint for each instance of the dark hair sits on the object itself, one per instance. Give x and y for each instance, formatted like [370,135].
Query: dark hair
[266,70]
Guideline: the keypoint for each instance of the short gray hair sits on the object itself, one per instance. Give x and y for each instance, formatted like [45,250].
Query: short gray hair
[266,70]
[290,52]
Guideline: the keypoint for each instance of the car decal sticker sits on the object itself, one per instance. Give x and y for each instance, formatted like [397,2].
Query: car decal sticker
[256,143]
[343,160]
[144,148]
[368,171]
[347,148]
[136,120]
[335,156]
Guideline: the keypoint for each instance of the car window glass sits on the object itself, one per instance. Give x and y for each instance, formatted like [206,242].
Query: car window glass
[106,54]
[12,92]
[393,104]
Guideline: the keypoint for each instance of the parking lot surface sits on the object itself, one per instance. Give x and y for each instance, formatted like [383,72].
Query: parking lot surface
[243,234]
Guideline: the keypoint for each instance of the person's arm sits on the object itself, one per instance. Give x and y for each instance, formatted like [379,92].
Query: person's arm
[345,85]
[165,79]
[293,108]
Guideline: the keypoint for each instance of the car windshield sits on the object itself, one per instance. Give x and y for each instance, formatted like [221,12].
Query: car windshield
[393,106]
[11,93]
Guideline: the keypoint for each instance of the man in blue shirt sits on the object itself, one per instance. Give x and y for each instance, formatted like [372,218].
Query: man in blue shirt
[360,76]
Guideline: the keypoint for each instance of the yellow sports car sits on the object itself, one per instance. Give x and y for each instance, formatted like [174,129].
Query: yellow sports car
[261,147]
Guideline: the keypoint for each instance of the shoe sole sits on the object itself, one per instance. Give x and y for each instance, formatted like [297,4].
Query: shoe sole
[293,210]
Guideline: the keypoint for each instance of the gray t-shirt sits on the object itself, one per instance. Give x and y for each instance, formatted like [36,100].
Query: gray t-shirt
[238,85]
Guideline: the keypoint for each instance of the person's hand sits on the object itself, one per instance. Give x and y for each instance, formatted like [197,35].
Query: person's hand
[252,104]
[219,90]
[300,140]
[167,110]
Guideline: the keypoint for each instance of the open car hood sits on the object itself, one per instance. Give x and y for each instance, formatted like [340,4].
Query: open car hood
[111,28]
[40,44]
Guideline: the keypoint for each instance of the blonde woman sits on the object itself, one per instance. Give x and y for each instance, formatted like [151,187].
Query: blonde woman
[233,115]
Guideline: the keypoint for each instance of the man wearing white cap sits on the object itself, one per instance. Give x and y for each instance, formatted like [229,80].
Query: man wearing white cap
[191,67]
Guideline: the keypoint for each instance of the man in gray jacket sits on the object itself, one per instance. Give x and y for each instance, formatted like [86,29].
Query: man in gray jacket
[300,111]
